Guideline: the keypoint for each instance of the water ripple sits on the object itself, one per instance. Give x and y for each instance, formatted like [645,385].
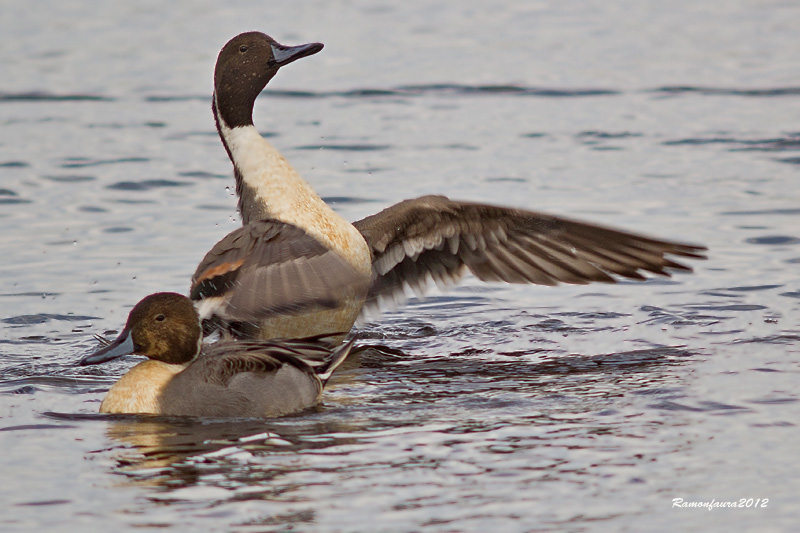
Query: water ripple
[456,89]
[80,162]
[8,197]
[783,338]
[70,178]
[779,144]
[347,200]
[345,147]
[37,96]
[449,89]
[771,240]
[37,427]
[202,174]
[733,307]
[26,320]
[724,91]
[593,136]
[681,317]
[145,185]
[759,212]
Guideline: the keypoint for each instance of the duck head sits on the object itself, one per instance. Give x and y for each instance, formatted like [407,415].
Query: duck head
[244,67]
[163,326]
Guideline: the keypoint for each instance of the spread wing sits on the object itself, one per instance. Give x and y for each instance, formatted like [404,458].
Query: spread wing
[436,238]
[269,267]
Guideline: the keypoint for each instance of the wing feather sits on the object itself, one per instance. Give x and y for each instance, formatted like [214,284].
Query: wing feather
[435,238]
[268,268]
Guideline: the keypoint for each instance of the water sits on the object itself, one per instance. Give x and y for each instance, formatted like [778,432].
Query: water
[486,407]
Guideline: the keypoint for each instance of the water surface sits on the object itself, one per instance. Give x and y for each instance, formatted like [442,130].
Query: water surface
[485,407]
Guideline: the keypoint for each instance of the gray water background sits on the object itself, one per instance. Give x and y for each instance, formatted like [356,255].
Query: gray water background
[488,407]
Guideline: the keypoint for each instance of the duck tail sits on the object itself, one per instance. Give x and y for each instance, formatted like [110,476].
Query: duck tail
[332,361]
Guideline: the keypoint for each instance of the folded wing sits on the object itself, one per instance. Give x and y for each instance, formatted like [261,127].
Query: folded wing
[268,268]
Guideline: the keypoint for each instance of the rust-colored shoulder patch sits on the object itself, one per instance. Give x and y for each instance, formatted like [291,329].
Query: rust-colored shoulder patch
[219,270]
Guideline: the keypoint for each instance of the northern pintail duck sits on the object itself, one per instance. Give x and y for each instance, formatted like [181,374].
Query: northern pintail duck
[256,277]
[183,377]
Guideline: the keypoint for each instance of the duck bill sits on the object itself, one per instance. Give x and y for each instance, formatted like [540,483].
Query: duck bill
[283,55]
[123,345]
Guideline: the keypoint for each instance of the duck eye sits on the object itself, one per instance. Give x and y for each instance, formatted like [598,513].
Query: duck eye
[243,48]
[160,318]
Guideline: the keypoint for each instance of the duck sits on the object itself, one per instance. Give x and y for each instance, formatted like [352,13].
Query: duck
[297,268]
[185,377]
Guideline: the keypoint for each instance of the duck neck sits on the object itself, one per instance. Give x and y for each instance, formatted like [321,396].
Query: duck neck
[269,187]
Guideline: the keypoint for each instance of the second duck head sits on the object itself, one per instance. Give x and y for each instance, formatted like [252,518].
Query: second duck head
[163,326]
[244,67]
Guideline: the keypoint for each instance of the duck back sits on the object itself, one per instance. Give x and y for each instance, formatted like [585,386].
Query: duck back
[226,383]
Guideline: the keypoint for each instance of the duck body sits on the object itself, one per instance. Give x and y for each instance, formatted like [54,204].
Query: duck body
[224,379]
[408,245]
[273,195]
